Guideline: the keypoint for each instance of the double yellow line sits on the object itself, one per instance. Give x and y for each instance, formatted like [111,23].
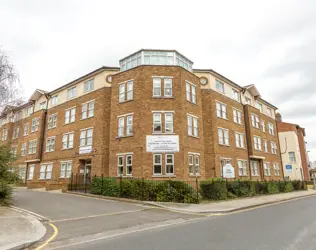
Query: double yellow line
[51,238]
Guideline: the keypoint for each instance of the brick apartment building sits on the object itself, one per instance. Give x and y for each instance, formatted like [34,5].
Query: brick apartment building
[153,117]
[293,150]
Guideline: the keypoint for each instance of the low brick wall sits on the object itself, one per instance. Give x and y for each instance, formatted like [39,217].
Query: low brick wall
[53,186]
[36,184]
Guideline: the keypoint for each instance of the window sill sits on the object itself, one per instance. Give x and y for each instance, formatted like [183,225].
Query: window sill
[191,102]
[194,176]
[254,175]
[258,150]
[82,119]
[196,137]
[163,97]
[164,176]
[68,148]
[225,145]
[160,133]
[31,153]
[124,176]
[68,123]
[125,101]
[226,119]
[34,131]
[63,177]
[85,145]
[239,123]
[52,128]
[124,136]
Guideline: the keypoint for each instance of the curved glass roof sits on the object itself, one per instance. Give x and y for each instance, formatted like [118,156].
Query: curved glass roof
[155,57]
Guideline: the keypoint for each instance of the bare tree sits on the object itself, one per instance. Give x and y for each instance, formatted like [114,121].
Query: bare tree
[10,88]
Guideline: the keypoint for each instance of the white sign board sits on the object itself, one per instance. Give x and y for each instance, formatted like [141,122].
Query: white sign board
[162,143]
[228,171]
[85,150]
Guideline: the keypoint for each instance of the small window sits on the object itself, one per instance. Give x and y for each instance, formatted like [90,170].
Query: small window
[223,136]
[32,147]
[129,125]
[257,143]
[271,128]
[30,110]
[52,121]
[120,165]
[31,172]
[242,168]
[87,110]
[220,86]
[42,105]
[70,115]
[267,169]
[126,91]
[35,125]
[46,172]
[157,122]
[88,85]
[86,137]
[254,167]
[129,93]
[266,146]
[274,149]
[157,164]
[237,116]
[23,149]
[269,112]
[168,87]
[292,157]
[263,126]
[26,129]
[276,169]
[55,100]
[68,141]
[248,101]
[129,165]
[122,92]
[260,106]
[50,144]
[255,120]
[240,141]
[168,122]
[65,169]
[121,126]
[190,92]
[235,95]
[71,93]
[169,164]
[4,134]
[194,164]
[190,125]
[156,86]
[128,120]
[221,110]
[193,126]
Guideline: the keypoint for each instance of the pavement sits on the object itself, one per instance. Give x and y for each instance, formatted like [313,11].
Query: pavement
[19,230]
[234,205]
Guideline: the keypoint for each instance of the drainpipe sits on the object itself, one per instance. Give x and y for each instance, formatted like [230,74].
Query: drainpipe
[43,130]
[280,149]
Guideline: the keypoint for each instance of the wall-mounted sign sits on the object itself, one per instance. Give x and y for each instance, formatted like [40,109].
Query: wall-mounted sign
[85,150]
[228,171]
[288,167]
[162,143]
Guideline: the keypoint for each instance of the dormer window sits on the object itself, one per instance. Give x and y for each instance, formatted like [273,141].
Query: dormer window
[54,100]
[30,110]
[220,86]
[260,106]
[42,105]
[71,93]
[235,95]
[248,101]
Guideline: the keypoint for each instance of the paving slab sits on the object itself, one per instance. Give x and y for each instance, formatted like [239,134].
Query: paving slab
[18,230]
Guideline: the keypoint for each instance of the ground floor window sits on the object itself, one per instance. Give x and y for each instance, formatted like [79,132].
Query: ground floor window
[267,169]
[254,166]
[242,167]
[125,160]
[65,169]
[194,164]
[276,169]
[158,164]
[46,171]
[31,172]
[22,172]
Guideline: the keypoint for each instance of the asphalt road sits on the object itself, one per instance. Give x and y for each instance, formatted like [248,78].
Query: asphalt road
[289,225]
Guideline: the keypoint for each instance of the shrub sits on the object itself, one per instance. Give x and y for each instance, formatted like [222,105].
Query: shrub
[262,188]
[106,187]
[214,190]
[272,187]
[242,188]
[298,185]
[286,186]
[6,191]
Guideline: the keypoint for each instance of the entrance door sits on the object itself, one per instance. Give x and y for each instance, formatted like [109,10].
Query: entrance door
[87,171]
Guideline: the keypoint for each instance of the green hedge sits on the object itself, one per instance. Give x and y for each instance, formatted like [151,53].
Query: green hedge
[222,190]
[165,191]
[6,192]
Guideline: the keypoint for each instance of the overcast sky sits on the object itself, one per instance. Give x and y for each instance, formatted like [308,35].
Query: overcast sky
[271,44]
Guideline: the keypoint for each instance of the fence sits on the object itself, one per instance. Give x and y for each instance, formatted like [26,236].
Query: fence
[141,189]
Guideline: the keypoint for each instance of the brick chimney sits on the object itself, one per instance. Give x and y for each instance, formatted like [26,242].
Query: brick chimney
[278,117]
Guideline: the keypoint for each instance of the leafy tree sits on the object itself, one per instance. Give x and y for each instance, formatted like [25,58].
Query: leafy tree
[7,178]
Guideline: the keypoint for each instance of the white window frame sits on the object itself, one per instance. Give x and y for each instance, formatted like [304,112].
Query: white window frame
[13,151]
[221,110]
[292,157]
[274,149]
[167,123]
[42,105]
[35,126]
[52,121]
[26,129]
[267,168]
[265,145]
[71,93]
[276,169]
[120,167]
[188,91]
[129,173]
[50,144]
[222,138]
[125,121]
[16,132]
[88,85]
[255,121]
[30,174]
[271,128]
[70,115]
[84,137]
[257,143]
[260,107]
[248,100]
[237,116]
[157,163]
[240,140]
[157,121]
[254,170]
[87,110]
[67,143]
[32,147]
[169,164]
[263,126]
[157,87]
[129,125]
[46,171]
[129,90]
[235,95]
[242,169]
[54,100]
[29,110]
[219,83]
[194,165]
[23,149]
[121,89]
[4,134]
[167,91]
[195,127]
[65,169]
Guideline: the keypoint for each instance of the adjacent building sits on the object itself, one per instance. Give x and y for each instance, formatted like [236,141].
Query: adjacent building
[293,150]
[153,117]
